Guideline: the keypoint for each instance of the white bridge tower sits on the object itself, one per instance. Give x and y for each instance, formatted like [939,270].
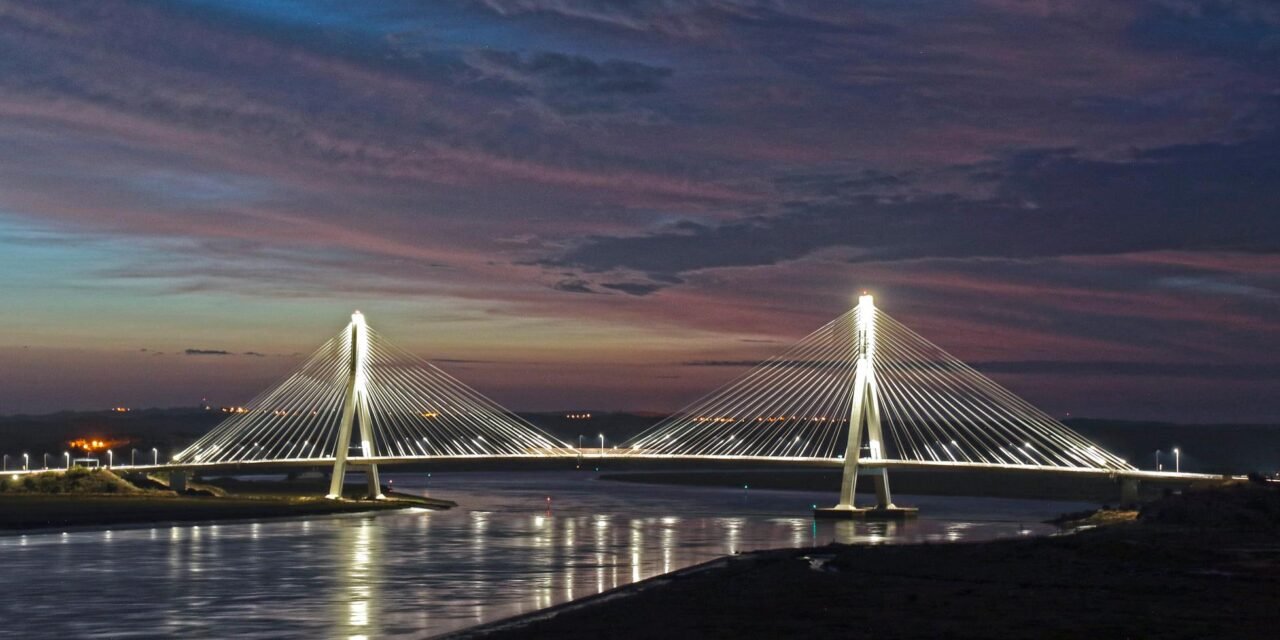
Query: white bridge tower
[356,404]
[865,409]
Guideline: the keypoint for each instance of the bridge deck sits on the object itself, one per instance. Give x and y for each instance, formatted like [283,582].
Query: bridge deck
[615,455]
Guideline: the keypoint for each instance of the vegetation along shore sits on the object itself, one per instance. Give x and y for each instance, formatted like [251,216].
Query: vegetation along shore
[99,497]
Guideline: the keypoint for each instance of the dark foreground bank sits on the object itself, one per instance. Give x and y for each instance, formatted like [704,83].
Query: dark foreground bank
[1202,565]
[83,498]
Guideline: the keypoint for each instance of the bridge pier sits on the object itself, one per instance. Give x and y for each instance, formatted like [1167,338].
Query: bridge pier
[1128,491]
[884,499]
[374,484]
[178,481]
[848,510]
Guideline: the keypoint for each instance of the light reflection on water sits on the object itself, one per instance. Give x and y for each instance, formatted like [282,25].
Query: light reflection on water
[415,573]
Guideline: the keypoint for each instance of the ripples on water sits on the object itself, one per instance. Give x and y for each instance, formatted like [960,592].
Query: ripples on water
[505,551]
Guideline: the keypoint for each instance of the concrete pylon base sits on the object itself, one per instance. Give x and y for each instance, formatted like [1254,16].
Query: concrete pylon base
[890,512]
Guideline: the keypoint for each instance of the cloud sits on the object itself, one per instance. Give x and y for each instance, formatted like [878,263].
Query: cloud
[1218,286]
[691,20]
[1044,204]
[551,72]
[1243,371]
[574,285]
[633,288]
[1240,30]
[562,90]
[721,363]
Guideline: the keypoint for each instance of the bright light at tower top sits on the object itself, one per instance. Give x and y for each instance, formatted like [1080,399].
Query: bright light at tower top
[357,317]
[866,324]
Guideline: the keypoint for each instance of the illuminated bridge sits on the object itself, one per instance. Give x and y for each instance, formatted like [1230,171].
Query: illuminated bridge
[863,393]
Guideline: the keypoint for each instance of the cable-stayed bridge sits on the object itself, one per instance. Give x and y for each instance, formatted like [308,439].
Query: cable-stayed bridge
[866,390]
[863,392]
[405,407]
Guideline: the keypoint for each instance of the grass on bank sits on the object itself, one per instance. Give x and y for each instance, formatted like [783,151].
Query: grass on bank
[88,497]
[74,481]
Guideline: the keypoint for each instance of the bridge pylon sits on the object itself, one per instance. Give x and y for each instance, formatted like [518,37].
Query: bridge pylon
[356,405]
[864,425]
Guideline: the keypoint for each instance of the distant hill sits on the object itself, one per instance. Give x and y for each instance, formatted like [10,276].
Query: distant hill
[168,430]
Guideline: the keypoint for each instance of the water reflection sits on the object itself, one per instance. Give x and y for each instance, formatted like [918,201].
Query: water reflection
[409,574]
[358,578]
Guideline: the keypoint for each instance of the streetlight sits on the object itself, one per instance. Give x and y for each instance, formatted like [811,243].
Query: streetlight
[46,461]
[67,456]
[1158,460]
[6,463]
[110,457]
[602,445]
[1177,461]
[26,461]
[155,456]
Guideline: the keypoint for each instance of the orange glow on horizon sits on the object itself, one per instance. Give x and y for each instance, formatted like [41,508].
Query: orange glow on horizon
[90,445]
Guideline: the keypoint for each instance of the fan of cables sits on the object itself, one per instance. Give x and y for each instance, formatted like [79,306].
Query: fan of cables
[932,407]
[415,410]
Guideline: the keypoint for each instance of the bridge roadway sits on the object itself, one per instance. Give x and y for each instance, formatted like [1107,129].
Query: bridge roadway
[250,466]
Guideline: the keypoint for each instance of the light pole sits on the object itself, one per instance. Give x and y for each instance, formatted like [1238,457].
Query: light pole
[26,461]
[133,457]
[6,463]
[1158,460]
[602,445]
[46,461]
[110,457]
[155,456]
[1177,461]
[66,455]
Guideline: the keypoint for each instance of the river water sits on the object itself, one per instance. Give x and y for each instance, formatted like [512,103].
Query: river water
[505,550]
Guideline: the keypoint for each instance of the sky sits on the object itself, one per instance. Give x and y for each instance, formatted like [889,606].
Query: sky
[617,205]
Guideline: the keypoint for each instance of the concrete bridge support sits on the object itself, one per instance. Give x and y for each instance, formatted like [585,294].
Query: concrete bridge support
[1128,492]
[178,481]
[356,405]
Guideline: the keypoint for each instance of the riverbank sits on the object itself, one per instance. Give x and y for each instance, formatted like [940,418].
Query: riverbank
[1201,565]
[101,498]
